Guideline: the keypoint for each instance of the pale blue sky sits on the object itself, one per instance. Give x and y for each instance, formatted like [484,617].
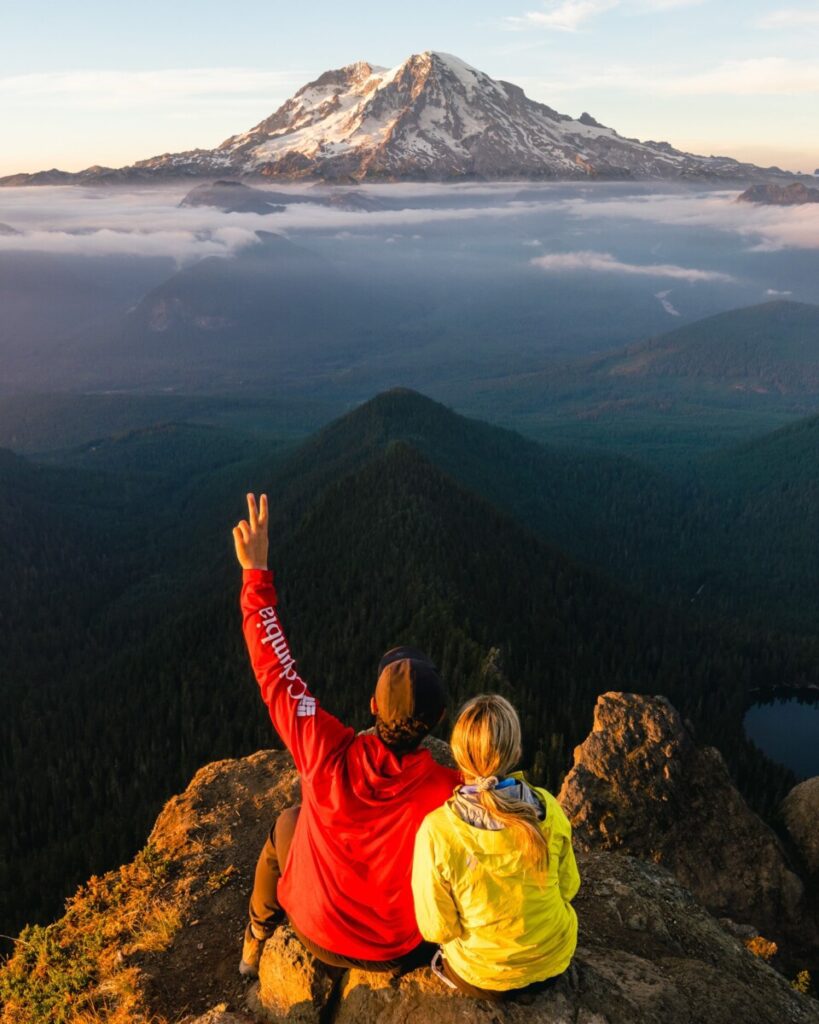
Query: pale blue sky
[100,82]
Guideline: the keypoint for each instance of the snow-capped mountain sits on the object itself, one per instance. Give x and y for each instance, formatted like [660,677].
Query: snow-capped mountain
[433,117]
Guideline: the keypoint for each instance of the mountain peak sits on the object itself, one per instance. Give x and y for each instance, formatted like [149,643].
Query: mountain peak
[349,75]
[442,59]
[431,117]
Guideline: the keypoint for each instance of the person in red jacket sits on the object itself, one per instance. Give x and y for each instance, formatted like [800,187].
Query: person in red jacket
[340,865]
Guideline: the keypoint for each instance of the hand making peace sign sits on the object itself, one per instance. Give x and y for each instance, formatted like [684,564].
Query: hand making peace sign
[250,535]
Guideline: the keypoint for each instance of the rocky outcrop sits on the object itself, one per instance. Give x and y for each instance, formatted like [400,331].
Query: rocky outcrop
[160,939]
[640,785]
[648,953]
[795,194]
[233,197]
[236,197]
[800,812]
[293,986]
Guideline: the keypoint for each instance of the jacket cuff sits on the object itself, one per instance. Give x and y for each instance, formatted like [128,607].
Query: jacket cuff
[257,576]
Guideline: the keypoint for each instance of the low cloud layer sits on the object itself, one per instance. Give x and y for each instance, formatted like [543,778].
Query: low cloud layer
[605,263]
[74,221]
[764,228]
[150,222]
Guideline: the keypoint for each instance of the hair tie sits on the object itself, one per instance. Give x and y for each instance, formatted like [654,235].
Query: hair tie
[485,782]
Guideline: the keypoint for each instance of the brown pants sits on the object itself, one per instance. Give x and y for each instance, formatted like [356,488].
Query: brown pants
[495,995]
[266,911]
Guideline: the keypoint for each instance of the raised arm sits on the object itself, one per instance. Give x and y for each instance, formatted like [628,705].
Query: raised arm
[309,732]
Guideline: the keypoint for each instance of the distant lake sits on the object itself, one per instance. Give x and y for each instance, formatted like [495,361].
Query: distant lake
[787,730]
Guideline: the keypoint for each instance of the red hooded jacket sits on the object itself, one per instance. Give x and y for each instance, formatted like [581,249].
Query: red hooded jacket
[346,883]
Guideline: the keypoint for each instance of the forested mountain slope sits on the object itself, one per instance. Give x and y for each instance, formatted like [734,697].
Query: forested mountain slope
[720,380]
[771,347]
[700,537]
[765,497]
[45,547]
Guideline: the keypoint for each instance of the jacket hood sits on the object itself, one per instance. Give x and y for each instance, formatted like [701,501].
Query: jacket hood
[383,776]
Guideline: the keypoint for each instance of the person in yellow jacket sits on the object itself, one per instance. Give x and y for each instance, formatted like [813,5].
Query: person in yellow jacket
[494,872]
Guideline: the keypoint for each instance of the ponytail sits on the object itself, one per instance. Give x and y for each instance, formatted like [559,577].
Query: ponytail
[486,743]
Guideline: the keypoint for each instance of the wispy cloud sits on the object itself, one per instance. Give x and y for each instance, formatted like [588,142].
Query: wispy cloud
[757,76]
[790,17]
[107,89]
[666,303]
[605,263]
[571,15]
[769,76]
[564,15]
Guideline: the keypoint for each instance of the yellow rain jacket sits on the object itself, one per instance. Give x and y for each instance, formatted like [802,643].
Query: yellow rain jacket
[501,924]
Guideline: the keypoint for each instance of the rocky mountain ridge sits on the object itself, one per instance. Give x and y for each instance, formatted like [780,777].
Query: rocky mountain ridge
[236,197]
[795,194]
[431,117]
[158,940]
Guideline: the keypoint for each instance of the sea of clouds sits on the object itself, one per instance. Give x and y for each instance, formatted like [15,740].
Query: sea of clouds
[150,222]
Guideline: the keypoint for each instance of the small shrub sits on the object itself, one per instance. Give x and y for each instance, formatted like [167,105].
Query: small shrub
[763,948]
[221,879]
[157,932]
[74,971]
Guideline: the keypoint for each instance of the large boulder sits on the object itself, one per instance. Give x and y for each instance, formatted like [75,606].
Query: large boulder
[293,985]
[800,812]
[640,785]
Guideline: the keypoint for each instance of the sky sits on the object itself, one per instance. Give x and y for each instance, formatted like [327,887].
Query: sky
[99,83]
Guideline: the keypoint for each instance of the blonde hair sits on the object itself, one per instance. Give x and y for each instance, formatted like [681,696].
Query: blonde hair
[486,743]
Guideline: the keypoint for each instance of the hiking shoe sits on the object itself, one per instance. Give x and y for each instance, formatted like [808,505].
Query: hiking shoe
[251,954]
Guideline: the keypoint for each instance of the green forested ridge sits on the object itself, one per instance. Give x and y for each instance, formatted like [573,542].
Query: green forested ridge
[717,381]
[772,346]
[705,537]
[37,423]
[126,671]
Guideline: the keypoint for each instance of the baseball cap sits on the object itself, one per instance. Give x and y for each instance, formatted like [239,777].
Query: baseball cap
[409,687]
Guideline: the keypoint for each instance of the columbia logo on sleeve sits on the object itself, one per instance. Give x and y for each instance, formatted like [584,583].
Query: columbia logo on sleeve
[306,707]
